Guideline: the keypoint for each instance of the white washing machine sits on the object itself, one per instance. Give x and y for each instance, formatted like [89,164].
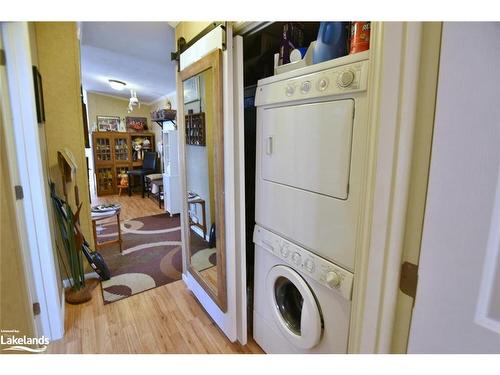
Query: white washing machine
[311,155]
[302,302]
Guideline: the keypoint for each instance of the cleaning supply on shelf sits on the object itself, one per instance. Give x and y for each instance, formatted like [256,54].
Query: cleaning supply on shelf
[285,45]
[331,42]
[360,37]
[292,38]
[297,54]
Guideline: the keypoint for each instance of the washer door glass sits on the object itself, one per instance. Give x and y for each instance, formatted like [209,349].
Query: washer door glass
[295,308]
[289,301]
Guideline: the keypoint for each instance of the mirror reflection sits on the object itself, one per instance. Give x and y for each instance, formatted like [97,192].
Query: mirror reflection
[200,176]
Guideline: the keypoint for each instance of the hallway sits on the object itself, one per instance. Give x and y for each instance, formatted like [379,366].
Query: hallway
[167,319]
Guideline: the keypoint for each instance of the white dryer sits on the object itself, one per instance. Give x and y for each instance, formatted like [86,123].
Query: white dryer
[302,302]
[310,156]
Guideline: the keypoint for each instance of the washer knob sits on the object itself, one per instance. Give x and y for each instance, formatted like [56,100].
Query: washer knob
[289,90]
[333,279]
[284,251]
[296,258]
[345,78]
[309,265]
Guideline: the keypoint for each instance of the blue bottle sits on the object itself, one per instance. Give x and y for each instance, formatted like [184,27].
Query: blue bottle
[331,42]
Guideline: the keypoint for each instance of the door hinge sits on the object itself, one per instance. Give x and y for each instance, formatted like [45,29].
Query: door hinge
[409,279]
[36,309]
[3,60]
[18,189]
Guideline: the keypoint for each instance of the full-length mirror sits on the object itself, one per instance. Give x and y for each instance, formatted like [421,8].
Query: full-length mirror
[204,175]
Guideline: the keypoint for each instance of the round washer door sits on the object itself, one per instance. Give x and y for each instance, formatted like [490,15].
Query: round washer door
[294,307]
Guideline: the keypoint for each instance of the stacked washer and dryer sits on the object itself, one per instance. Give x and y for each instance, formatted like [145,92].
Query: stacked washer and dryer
[310,168]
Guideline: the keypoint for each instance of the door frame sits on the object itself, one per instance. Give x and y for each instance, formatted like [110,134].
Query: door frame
[396,49]
[25,165]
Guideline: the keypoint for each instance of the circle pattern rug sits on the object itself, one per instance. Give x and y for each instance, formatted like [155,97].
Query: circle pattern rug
[151,255]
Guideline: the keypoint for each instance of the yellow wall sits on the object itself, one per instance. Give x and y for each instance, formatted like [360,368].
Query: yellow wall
[43,149]
[106,105]
[15,309]
[209,134]
[59,64]
[188,30]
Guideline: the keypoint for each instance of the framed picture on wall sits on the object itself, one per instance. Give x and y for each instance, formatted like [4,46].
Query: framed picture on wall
[40,109]
[108,123]
[137,124]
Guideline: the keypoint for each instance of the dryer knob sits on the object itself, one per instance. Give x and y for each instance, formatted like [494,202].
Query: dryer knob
[345,78]
[333,279]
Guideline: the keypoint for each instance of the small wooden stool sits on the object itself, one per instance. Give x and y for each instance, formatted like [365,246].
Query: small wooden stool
[104,244]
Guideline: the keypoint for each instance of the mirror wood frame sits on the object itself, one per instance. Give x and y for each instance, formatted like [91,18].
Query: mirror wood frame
[212,61]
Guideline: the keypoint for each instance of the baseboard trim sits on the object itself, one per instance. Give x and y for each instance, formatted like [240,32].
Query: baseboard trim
[90,275]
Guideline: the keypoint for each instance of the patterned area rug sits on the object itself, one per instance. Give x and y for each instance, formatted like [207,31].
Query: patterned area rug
[202,256]
[151,255]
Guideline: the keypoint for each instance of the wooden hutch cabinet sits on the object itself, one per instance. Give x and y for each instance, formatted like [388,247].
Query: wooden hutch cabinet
[114,154]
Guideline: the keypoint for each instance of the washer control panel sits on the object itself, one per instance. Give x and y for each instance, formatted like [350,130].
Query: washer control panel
[326,273]
[334,81]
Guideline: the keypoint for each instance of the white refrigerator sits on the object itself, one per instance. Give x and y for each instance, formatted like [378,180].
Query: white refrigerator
[171,180]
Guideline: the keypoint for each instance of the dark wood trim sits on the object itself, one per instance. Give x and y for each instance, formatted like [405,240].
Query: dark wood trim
[182,46]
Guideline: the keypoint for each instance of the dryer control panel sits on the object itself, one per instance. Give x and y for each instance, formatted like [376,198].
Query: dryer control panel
[304,261]
[339,80]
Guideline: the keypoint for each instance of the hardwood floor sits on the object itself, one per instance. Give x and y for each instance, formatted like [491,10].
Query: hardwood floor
[132,207]
[167,319]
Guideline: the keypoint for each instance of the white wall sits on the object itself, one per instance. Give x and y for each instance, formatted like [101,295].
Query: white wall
[463,180]
[197,165]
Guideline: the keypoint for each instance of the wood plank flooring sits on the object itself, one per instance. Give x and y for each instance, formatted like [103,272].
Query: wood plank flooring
[167,319]
[132,207]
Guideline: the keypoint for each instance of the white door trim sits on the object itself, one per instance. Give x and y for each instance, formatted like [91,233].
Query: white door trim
[227,321]
[26,164]
[239,157]
[393,83]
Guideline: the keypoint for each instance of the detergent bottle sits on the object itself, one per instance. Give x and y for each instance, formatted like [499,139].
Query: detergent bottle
[331,42]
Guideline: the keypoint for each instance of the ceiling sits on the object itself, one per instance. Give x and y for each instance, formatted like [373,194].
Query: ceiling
[137,53]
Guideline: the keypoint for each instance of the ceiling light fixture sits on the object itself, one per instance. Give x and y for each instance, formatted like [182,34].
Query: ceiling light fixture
[117,85]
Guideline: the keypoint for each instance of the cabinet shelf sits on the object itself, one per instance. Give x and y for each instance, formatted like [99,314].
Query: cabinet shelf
[114,153]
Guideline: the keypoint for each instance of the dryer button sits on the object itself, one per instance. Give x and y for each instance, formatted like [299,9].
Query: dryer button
[322,84]
[305,87]
[289,90]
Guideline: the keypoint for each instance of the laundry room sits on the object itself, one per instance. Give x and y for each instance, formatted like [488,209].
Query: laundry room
[305,105]
[250,187]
